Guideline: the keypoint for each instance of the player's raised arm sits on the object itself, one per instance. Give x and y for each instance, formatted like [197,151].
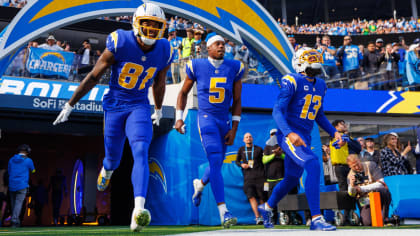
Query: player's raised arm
[91,79]
[158,87]
[181,103]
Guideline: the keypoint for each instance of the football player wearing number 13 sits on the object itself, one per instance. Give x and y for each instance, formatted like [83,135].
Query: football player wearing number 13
[298,106]
[218,81]
[137,58]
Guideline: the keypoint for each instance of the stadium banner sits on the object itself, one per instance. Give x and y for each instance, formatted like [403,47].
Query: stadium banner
[243,22]
[341,100]
[47,95]
[49,62]
[173,169]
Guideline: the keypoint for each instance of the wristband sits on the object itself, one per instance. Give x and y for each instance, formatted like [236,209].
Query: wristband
[236,118]
[179,115]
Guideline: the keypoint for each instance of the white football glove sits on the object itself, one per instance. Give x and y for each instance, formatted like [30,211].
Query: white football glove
[157,116]
[64,114]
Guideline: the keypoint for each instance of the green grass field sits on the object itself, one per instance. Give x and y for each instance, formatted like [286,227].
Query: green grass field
[150,230]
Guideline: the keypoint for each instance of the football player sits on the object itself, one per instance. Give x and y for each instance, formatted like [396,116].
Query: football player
[299,104]
[138,58]
[218,81]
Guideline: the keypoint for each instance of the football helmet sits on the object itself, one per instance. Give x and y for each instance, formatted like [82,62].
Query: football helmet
[149,11]
[307,57]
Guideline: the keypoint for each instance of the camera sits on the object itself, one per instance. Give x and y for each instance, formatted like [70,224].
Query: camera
[360,178]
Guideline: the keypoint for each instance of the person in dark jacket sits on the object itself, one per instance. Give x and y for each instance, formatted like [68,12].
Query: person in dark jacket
[370,63]
[20,165]
[389,66]
[249,158]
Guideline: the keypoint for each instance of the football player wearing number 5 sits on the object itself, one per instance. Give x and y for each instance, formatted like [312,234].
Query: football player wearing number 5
[298,106]
[138,58]
[218,81]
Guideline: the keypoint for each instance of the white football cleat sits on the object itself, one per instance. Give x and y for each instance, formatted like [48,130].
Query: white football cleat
[139,219]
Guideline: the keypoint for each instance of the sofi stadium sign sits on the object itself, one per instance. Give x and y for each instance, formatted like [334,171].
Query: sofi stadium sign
[25,93]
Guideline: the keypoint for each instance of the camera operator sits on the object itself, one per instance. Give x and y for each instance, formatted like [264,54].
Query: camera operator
[364,178]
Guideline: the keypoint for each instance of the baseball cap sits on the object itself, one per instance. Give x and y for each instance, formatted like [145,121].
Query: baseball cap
[273,131]
[395,134]
[171,30]
[51,37]
[379,40]
[369,140]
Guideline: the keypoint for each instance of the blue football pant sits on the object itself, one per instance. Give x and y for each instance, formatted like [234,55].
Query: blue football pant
[137,126]
[296,160]
[212,133]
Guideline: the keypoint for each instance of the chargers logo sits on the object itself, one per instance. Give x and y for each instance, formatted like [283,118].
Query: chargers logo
[230,157]
[55,54]
[243,21]
[157,173]
[402,103]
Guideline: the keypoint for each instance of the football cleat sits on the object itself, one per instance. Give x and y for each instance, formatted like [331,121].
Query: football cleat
[266,215]
[319,223]
[139,219]
[198,191]
[259,220]
[229,220]
[102,183]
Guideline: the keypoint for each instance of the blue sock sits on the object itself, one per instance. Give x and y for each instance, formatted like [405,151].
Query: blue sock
[215,176]
[140,172]
[282,188]
[206,176]
[312,185]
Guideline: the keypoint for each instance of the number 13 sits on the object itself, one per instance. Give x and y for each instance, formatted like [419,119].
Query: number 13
[316,100]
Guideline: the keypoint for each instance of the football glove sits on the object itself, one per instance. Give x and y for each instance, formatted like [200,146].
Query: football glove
[64,114]
[157,116]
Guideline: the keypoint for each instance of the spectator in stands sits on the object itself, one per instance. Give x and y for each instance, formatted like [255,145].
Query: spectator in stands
[362,143]
[363,178]
[389,65]
[229,50]
[175,42]
[328,53]
[350,57]
[371,154]
[200,49]
[20,166]
[413,60]
[86,52]
[187,44]
[249,158]
[51,44]
[292,41]
[392,161]
[273,159]
[370,63]
[242,54]
[379,46]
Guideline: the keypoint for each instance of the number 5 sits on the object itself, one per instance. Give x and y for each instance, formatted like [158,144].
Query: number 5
[220,97]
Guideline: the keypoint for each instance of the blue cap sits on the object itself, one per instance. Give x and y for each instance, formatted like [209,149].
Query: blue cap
[171,30]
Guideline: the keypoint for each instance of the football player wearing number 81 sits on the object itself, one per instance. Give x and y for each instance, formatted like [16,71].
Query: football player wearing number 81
[298,106]
[138,58]
[218,81]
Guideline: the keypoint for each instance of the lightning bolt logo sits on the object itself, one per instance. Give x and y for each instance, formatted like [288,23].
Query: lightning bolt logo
[56,54]
[243,21]
[405,103]
[157,173]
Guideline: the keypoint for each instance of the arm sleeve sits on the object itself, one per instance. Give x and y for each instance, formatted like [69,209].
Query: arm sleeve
[288,86]
[189,70]
[354,146]
[372,186]
[267,158]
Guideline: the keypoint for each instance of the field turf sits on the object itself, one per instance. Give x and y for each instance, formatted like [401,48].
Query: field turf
[150,230]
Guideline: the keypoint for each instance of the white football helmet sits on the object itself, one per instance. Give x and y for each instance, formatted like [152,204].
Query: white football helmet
[149,11]
[307,57]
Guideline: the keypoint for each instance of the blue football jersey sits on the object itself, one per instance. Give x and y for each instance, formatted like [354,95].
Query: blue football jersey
[134,70]
[214,86]
[329,60]
[351,58]
[304,99]
[175,44]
